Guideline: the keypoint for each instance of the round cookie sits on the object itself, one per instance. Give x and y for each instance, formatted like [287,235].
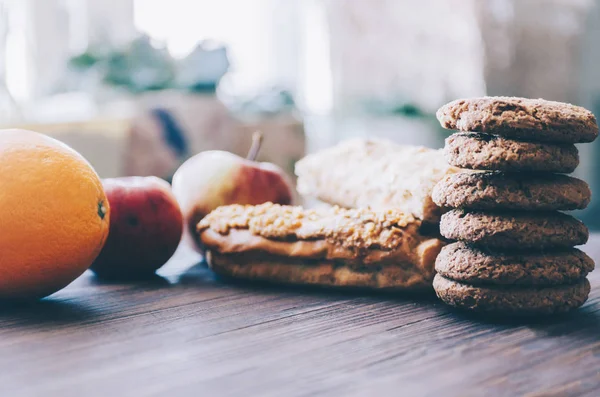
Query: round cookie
[471,265]
[512,300]
[536,120]
[512,191]
[491,152]
[514,230]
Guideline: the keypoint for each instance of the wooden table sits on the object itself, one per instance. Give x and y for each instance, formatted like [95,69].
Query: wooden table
[188,334]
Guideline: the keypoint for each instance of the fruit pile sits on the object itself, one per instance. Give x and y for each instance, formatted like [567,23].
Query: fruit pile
[59,219]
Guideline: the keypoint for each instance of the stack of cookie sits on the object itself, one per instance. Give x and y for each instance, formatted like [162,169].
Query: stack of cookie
[515,251]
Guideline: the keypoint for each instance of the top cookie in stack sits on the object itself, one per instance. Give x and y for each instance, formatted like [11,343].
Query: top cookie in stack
[515,252]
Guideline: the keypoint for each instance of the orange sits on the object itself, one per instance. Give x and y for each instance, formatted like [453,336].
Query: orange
[54,216]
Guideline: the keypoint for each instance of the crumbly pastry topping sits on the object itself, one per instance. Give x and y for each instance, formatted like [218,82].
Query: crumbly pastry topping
[359,173]
[350,228]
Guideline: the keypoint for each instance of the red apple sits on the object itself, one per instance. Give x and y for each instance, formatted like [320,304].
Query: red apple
[145,227]
[214,178]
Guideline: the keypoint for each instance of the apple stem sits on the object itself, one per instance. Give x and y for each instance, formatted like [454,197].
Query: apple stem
[257,138]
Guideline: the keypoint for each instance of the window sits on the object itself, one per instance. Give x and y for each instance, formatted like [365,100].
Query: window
[270,42]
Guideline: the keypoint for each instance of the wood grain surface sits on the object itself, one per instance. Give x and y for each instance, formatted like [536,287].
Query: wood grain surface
[189,334]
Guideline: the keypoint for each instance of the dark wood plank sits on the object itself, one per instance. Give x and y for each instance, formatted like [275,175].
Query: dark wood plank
[186,333]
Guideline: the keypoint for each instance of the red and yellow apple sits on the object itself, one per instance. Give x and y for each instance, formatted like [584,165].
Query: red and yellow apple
[145,229]
[214,178]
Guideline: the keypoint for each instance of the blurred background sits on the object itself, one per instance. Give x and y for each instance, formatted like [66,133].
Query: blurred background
[137,86]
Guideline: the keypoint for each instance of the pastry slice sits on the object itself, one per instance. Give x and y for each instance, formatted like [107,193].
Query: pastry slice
[360,173]
[364,248]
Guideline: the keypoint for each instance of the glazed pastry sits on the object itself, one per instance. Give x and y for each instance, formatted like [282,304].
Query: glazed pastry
[330,247]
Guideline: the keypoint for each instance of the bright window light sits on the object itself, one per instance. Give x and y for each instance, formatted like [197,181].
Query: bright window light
[244,26]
